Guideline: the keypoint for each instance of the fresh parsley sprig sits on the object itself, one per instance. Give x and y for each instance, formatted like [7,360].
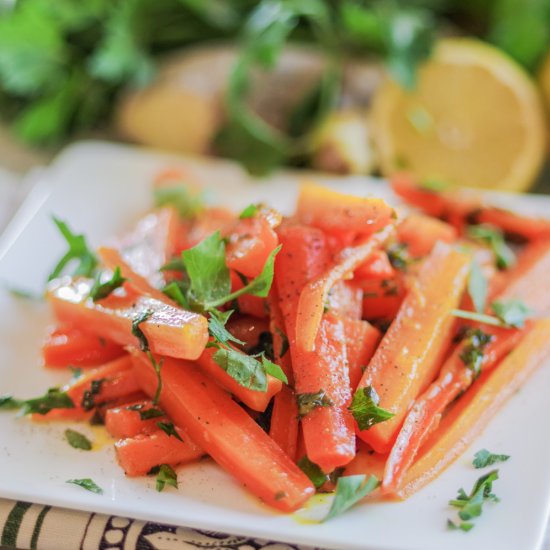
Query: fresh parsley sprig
[485,458]
[494,238]
[78,440]
[78,253]
[101,290]
[88,484]
[365,409]
[166,475]
[349,491]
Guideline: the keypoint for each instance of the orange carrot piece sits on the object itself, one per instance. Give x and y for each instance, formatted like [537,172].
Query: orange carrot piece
[362,339]
[328,431]
[169,330]
[376,268]
[366,462]
[113,380]
[226,432]
[125,421]
[383,298]
[138,455]
[465,206]
[345,300]
[112,258]
[420,233]
[66,346]
[247,329]
[337,212]
[315,293]
[425,415]
[256,400]
[475,408]
[412,349]
[284,422]
[250,244]
[151,244]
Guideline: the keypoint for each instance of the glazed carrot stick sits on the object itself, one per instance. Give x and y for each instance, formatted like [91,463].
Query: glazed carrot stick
[151,244]
[420,233]
[256,400]
[366,462]
[138,455]
[328,430]
[337,212]
[72,346]
[169,330]
[414,346]
[425,415]
[473,411]
[468,207]
[112,258]
[362,339]
[376,268]
[226,432]
[315,293]
[284,425]
[97,386]
[126,421]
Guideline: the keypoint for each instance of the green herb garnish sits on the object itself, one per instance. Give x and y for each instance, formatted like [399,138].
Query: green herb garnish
[88,397]
[78,252]
[249,212]
[349,491]
[166,476]
[494,238]
[146,414]
[216,326]
[474,346]
[471,505]
[53,399]
[512,313]
[398,256]
[102,290]
[484,458]
[136,329]
[169,429]
[477,287]
[308,402]
[463,525]
[9,403]
[365,409]
[312,471]
[78,440]
[188,204]
[87,484]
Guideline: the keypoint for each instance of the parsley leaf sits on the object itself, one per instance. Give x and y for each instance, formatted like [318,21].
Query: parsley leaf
[209,278]
[87,484]
[477,287]
[472,352]
[312,471]
[78,440]
[349,491]
[188,203]
[146,414]
[398,256]
[273,370]
[166,476]
[484,458]
[512,313]
[176,290]
[494,238]
[463,525]
[249,212]
[216,326]
[8,403]
[136,330]
[169,429]
[53,399]
[78,251]
[157,367]
[308,402]
[101,290]
[365,409]
[471,506]
[88,397]
[246,370]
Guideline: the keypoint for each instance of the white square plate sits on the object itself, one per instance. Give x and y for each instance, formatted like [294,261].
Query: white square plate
[101,189]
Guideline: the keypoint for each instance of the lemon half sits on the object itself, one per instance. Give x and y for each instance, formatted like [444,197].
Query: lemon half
[474,118]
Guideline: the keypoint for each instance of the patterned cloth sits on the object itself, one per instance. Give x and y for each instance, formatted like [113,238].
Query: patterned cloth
[34,526]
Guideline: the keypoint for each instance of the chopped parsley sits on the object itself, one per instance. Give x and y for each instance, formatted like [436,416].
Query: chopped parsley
[470,505]
[102,290]
[477,287]
[78,253]
[308,402]
[146,414]
[484,458]
[9,403]
[312,471]
[87,484]
[249,212]
[78,440]
[88,397]
[512,313]
[166,475]
[398,255]
[494,238]
[169,429]
[349,491]
[53,399]
[136,329]
[473,348]
[365,409]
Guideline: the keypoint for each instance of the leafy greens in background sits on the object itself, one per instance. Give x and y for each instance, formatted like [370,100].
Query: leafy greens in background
[63,63]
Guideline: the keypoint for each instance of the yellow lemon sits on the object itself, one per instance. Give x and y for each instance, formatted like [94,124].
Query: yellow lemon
[474,118]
